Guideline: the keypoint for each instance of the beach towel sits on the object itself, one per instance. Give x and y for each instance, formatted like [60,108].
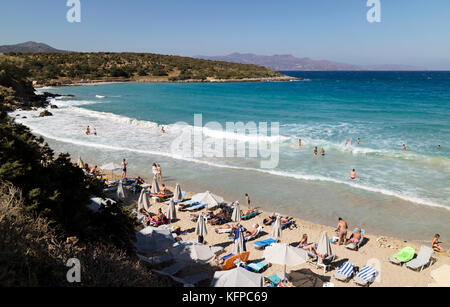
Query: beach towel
[263,243]
[249,216]
[405,255]
[256,266]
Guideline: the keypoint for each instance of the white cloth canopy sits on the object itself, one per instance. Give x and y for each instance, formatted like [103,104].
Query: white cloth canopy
[143,201]
[193,253]
[276,228]
[236,216]
[284,254]
[324,246]
[209,199]
[171,211]
[152,239]
[238,277]
[155,187]
[120,193]
[177,195]
[200,228]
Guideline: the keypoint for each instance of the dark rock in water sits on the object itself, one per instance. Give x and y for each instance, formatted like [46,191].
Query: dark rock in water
[24,117]
[45,113]
[53,106]
[18,115]
[71,96]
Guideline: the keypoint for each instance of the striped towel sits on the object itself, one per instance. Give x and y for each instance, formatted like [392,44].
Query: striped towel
[346,269]
[366,273]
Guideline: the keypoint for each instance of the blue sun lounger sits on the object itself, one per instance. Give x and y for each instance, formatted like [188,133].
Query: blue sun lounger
[249,216]
[288,224]
[274,280]
[354,246]
[263,243]
[196,207]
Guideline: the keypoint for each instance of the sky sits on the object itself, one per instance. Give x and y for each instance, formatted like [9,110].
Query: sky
[411,32]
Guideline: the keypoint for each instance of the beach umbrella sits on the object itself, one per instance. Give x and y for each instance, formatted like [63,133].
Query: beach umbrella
[324,246]
[196,252]
[284,254]
[276,228]
[239,241]
[152,239]
[209,199]
[120,193]
[171,211]
[236,216]
[155,187]
[177,195]
[143,201]
[237,277]
[80,162]
[200,228]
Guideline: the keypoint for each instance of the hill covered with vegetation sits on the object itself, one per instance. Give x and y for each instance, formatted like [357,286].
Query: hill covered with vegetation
[73,67]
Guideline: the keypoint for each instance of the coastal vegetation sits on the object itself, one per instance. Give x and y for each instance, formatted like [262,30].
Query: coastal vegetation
[48,68]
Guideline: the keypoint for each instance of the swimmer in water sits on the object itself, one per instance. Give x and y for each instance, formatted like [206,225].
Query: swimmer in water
[358,140]
[347,143]
[404,147]
[353,174]
[88,130]
[322,151]
[315,151]
[162,130]
[438,147]
[95,131]
[299,142]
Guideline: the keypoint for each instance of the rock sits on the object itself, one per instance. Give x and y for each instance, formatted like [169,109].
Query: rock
[24,117]
[45,113]
[53,106]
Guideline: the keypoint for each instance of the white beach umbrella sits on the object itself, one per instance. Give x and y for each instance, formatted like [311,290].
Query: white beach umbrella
[120,193]
[284,254]
[209,199]
[193,253]
[237,277]
[177,195]
[80,162]
[236,216]
[200,228]
[324,246]
[155,187]
[152,239]
[143,201]
[276,228]
[171,211]
[239,242]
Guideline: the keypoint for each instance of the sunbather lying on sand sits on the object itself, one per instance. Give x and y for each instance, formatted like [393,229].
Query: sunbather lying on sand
[248,212]
[285,220]
[270,219]
[233,226]
[252,231]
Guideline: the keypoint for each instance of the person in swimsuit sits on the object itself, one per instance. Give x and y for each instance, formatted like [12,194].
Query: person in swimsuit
[438,147]
[356,236]
[162,130]
[347,143]
[159,172]
[95,131]
[404,147]
[322,151]
[247,199]
[315,151]
[358,140]
[353,174]
[307,246]
[435,244]
[124,169]
[342,230]
[252,231]
[88,130]
[155,170]
[299,142]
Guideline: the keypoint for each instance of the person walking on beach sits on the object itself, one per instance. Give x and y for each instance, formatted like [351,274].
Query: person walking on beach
[88,130]
[353,174]
[124,169]
[322,151]
[247,200]
[342,231]
[315,151]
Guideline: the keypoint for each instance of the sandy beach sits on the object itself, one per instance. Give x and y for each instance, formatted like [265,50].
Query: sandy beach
[375,251]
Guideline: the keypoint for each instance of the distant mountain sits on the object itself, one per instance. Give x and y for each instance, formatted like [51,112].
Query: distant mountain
[289,62]
[29,47]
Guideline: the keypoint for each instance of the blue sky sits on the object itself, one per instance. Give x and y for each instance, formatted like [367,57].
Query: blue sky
[412,32]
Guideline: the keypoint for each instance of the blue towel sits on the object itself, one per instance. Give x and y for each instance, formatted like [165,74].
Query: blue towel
[265,242]
[346,269]
[256,266]
[274,279]
[366,273]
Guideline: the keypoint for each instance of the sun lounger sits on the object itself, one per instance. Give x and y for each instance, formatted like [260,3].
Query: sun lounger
[325,263]
[249,216]
[183,194]
[354,246]
[422,260]
[366,276]
[263,243]
[345,272]
[269,222]
[223,230]
[156,260]
[231,259]
[186,204]
[257,266]
[288,224]
[258,231]
[196,207]
[405,255]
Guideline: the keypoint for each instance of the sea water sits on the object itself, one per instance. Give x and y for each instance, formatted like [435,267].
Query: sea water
[398,192]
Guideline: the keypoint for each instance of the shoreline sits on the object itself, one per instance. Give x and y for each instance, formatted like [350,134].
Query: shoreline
[375,250]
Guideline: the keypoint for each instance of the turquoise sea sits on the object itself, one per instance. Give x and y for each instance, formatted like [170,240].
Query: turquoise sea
[404,193]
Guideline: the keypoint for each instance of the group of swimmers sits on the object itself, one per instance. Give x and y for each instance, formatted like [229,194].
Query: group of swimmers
[88,131]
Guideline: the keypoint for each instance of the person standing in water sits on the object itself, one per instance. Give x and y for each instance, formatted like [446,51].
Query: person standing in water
[438,147]
[315,151]
[322,151]
[299,142]
[358,140]
[353,174]
[88,130]
[347,143]
[124,168]
[247,200]
[159,173]
[404,147]
[162,130]
[95,131]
